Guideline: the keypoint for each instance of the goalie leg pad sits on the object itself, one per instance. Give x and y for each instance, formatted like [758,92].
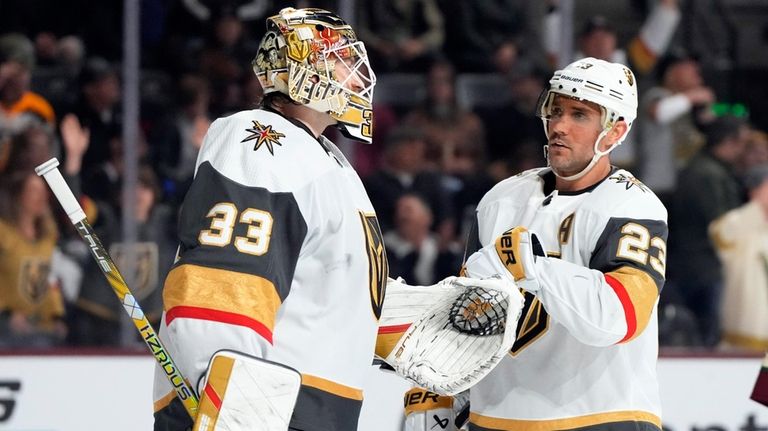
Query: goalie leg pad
[242,392]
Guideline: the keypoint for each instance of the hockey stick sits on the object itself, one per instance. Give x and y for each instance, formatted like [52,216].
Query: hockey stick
[66,198]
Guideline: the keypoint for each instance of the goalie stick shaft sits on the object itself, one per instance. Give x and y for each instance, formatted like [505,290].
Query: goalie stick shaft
[66,198]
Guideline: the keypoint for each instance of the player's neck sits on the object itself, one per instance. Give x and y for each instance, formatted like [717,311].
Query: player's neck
[315,121]
[594,176]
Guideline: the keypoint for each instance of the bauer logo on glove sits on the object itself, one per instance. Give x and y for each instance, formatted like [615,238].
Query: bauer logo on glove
[511,244]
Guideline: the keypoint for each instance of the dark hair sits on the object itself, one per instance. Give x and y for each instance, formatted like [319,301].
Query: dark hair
[21,154]
[755,176]
[191,88]
[723,128]
[401,135]
[673,57]
[11,188]
[594,23]
[96,69]
[269,99]
[148,178]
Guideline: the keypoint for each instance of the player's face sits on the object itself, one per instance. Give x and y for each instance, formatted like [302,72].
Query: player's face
[349,77]
[572,130]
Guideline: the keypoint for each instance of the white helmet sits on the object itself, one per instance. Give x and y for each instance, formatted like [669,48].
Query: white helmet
[612,86]
[299,55]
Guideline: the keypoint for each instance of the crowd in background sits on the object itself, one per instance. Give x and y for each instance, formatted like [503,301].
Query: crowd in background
[439,145]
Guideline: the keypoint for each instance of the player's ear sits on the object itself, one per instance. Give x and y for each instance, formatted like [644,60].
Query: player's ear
[617,131]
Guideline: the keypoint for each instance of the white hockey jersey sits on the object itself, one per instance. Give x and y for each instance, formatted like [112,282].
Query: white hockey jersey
[586,348]
[281,257]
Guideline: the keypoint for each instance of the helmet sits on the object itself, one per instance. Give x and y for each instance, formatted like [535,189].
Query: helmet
[612,86]
[314,57]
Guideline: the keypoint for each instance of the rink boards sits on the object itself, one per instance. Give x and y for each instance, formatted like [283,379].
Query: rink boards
[94,392]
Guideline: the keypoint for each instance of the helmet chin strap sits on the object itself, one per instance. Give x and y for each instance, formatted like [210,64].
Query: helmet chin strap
[591,163]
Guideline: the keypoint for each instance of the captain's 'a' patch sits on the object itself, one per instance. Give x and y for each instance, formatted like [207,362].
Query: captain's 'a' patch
[264,136]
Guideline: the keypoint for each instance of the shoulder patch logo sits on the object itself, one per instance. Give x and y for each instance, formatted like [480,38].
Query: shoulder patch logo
[628,181]
[263,135]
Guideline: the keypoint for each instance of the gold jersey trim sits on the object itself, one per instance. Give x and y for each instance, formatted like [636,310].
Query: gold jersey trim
[562,424]
[331,387]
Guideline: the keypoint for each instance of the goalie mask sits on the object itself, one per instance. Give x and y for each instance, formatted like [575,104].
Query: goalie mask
[612,86]
[314,57]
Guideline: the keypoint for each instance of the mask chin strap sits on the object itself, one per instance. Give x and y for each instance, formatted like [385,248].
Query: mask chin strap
[591,163]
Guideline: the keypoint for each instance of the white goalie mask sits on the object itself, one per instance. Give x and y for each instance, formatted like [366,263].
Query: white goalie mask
[314,57]
[612,86]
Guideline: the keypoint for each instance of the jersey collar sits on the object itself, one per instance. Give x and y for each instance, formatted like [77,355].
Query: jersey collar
[548,182]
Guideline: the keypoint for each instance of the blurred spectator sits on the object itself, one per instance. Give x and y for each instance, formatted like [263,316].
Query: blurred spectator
[103,181]
[221,60]
[178,139]
[756,152]
[741,239]
[45,48]
[598,38]
[669,127]
[27,149]
[491,35]
[96,317]
[405,171]
[19,106]
[65,54]
[70,54]
[31,305]
[707,188]
[205,11]
[401,35]
[367,158]
[413,251]
[445,124]
[466,179]
[515,124]
[98,109]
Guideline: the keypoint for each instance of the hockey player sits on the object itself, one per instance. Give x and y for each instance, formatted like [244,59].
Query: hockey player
[280,252]
[586,348]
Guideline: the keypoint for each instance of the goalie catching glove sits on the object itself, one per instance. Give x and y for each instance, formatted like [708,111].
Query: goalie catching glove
[454,332]
[512,256]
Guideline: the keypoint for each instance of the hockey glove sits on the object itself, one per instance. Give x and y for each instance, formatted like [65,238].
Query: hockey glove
[513,255]
[428,411]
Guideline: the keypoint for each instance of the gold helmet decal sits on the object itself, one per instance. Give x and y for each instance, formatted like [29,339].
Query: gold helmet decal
[630,77]
[297,50]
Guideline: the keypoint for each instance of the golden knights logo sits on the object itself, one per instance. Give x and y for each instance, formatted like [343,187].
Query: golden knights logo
[263,135]
[630,77]
[378,268]
[33,280]
[628,181]
[142,273]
